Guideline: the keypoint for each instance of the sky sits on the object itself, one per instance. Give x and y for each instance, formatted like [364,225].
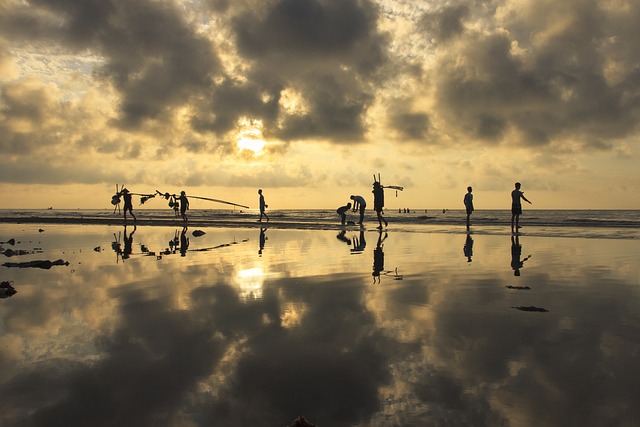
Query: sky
[308,99]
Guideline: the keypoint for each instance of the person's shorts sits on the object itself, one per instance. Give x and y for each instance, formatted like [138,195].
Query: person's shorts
[469,210]
[516,209]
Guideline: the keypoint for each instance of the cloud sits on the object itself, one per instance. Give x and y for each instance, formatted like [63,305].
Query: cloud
[539,74]
[328,52]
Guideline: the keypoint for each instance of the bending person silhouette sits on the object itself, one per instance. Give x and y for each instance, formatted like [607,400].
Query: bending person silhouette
[342,211]
[359,204]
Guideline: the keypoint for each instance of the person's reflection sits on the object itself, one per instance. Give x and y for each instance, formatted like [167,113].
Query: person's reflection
[468,247]
[174,244]
[359,243]
[342,237]
[184,242]
[128,243]
[263,239]
[516,253]
[116,246]
[378,257]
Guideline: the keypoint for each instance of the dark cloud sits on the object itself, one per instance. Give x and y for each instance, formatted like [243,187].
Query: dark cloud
[412,126]
[547,76]
[153,58]
[337,105]
[446,23]
[327,51]
[231,100]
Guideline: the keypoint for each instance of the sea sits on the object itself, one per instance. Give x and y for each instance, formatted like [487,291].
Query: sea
[584,223]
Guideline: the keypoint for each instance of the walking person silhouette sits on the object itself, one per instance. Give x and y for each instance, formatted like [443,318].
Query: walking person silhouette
[263,206]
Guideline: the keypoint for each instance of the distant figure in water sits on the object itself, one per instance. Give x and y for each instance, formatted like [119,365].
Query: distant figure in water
[516,206]
[263,206]
[184,205]
[378,202]
[342,211]
[516,253]
[128,205]
[468,204]
[359,204]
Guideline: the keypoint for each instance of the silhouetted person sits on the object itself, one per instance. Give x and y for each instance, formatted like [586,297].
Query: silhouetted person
[263,206]
[378,257]
[263,239]
[128,205]
[516,253]
[468,203]
[128,243]
[184,242]
[184,205]
[468,247]
[516,206]
[378,202]
[342,211]
[359,204]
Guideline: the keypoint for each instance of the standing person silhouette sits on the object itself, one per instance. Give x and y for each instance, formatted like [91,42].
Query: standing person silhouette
[128,205]
[468,204]
[359,204]
[263,206]
[516,206]
[184,205]
[378,202]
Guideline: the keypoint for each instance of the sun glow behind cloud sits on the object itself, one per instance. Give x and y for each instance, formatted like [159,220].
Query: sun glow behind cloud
[250,136]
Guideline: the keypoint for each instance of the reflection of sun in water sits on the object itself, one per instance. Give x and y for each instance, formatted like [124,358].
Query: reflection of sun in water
[250,282]
[249,136]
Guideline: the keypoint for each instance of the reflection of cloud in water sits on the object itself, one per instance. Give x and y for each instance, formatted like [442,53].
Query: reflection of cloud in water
[179,341]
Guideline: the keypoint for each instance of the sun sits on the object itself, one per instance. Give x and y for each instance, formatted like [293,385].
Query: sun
[249,136]
[252,144]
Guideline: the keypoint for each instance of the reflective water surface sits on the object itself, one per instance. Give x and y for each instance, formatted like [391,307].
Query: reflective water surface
[254,326]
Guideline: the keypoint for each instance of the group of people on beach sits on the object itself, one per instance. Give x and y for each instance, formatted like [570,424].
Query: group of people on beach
[516,205]
[181,203]
[359,204]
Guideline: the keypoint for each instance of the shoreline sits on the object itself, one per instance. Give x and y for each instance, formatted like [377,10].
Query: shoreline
[567,230]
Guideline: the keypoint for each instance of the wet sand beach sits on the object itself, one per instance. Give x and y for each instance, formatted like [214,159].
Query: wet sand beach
[249,324]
